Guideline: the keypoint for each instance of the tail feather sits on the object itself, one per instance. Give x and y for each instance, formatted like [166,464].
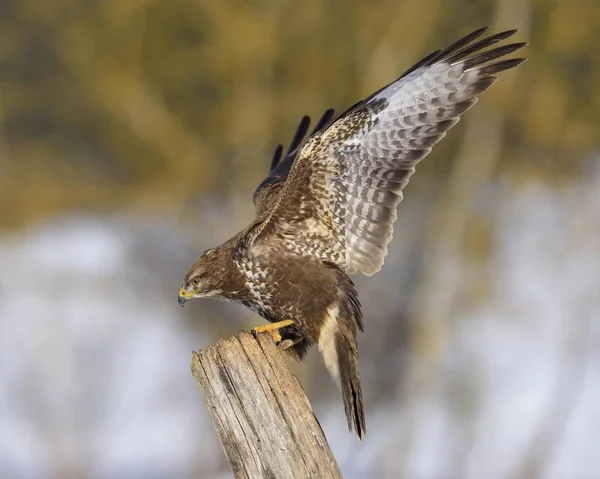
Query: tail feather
[347,355]
[338,344]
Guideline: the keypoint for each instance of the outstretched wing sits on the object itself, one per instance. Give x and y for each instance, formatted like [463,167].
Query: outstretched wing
[266,194]
[339,201]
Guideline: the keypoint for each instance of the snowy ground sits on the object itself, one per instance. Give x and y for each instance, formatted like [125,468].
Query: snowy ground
[94,361]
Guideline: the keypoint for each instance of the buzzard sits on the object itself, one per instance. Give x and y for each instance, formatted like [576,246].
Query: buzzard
[327,208]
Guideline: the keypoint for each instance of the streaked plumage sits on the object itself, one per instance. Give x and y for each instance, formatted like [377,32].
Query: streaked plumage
[328,206]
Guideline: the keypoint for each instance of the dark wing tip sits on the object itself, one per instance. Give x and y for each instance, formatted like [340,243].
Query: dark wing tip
[501,66]
[276,156]
[458,44]
[507,33]
[325,119]
[486,56]
[461,48]
[296,140]
[299,135]
[477,33]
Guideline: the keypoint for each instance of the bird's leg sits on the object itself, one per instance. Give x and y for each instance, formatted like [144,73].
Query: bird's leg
[273,330]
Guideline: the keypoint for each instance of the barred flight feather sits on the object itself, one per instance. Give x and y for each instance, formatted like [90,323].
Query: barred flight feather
[349,174]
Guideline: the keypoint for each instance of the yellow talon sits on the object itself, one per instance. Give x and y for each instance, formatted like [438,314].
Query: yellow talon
[272,329]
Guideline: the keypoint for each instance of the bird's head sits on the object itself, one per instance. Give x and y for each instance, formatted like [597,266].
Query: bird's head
[205,279]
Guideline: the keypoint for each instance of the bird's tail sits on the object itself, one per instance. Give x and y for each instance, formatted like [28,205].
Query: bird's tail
[339,346]
[347,357]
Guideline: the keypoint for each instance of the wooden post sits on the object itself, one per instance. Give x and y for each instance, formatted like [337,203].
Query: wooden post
[260,412]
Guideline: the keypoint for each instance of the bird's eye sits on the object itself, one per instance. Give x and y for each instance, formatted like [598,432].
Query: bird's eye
[195,281]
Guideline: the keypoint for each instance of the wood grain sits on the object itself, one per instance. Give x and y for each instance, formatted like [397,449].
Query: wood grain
[260,412]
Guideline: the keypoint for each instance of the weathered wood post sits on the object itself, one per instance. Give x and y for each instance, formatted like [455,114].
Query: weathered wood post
[260,412]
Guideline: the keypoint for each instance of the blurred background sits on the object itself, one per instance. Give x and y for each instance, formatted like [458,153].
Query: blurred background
[132,136]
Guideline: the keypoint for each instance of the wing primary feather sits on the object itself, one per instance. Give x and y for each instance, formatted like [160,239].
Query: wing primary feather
[276,157]
[455,56]
[489,55]
[501,66]
[438,55]
[300,133]
[431,59]
[425,61]
[457,45]
[325,119]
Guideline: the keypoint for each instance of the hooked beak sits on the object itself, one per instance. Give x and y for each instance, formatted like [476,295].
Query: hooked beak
[183,297]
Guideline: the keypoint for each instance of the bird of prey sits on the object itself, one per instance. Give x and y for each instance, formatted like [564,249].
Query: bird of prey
[327,209]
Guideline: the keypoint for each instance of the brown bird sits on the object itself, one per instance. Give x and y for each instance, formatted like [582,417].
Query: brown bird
[327,210]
